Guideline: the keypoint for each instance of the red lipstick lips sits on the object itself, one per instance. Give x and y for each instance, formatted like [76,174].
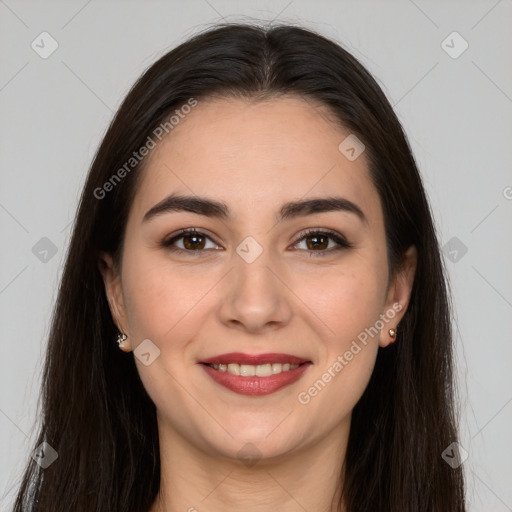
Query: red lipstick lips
[240,358]
[280,376]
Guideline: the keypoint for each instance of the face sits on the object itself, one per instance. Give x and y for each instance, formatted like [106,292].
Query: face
[258,284]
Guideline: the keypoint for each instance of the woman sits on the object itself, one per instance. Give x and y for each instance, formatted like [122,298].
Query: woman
[255,236]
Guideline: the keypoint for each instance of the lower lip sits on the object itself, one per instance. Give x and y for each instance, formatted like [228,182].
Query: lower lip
[256,386]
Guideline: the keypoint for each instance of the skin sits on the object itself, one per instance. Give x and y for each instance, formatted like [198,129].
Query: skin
[254,156]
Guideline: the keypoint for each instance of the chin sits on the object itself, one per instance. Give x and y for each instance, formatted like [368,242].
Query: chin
[254,443]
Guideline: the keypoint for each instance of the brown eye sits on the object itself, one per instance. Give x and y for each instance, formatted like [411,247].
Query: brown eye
[193,242]
[188,240]
[317,242]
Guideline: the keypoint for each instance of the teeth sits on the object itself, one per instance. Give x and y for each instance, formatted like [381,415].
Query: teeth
[277,368]
[249,370]
[264,370]
[232,368]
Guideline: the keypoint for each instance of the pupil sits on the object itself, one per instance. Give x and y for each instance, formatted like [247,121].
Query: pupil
[195,244]
[316,243]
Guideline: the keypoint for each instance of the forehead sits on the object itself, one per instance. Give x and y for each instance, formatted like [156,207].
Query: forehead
[254,156]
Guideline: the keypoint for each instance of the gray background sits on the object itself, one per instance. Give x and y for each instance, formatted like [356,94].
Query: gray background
[456,112]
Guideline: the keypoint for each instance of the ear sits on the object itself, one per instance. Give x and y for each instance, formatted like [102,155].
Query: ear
[114,292]
[398,296]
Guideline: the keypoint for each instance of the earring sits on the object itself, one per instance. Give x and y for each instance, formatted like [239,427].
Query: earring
[392,333]
[121,337]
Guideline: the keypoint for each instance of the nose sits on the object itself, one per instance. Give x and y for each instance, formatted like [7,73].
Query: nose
[256,298]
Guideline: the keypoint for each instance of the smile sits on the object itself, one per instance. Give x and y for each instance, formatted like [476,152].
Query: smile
[255,374]
[249,370]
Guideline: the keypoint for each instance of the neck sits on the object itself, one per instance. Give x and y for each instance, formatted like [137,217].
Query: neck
[195,481]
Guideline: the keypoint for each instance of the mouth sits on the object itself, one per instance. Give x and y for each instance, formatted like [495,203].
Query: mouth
[255,374]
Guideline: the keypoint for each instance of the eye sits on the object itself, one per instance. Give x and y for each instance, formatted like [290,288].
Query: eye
[191,239]
[317,241]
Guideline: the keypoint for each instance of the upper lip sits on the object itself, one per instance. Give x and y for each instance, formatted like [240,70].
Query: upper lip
[254,359]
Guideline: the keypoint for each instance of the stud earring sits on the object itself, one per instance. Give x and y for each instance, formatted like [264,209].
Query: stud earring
[392,333]
[121,338]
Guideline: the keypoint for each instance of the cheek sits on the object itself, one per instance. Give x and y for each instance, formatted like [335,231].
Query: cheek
[156,298]
[349,305]
[333,392]
[348,302]
[164,307]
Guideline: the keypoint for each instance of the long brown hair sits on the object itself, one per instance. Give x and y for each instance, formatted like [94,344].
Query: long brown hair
[96,413]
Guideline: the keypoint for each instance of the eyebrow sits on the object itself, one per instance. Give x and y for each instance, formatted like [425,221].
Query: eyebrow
[216,209]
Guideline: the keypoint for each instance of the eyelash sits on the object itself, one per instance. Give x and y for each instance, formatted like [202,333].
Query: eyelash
[341,241]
